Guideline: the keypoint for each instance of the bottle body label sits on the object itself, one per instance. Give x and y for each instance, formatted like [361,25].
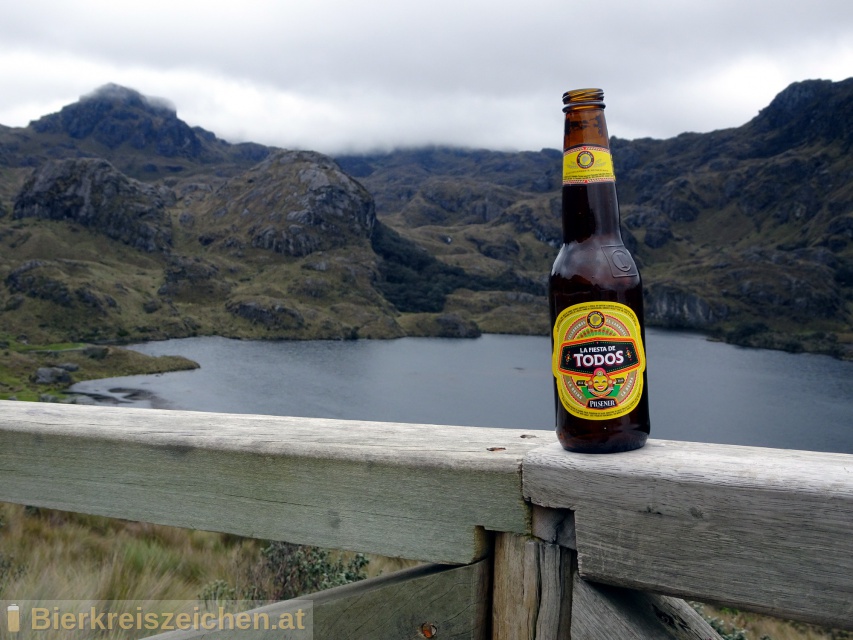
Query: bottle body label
[586,164]
[598,360]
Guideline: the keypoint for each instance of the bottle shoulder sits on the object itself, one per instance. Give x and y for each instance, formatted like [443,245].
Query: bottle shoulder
[600,261]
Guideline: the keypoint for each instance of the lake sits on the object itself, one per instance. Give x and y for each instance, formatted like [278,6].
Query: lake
[700,390]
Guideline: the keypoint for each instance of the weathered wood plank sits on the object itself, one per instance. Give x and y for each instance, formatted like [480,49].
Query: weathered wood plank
[450,602]
[554,525]
[603,613]
[761,529]
[447,602]
[532,589]
[417,491]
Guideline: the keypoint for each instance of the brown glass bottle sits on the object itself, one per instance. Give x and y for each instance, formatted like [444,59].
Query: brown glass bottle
[595,293]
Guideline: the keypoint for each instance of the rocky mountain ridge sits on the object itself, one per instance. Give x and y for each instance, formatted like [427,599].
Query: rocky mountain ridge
[141,136]
[744,232]
[118,221]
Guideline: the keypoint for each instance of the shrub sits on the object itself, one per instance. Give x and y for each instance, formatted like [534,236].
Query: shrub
[286,571]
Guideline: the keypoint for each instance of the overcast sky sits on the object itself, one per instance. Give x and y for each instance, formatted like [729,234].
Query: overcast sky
[359,75]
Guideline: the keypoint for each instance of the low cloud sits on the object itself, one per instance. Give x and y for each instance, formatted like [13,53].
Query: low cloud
[333,75]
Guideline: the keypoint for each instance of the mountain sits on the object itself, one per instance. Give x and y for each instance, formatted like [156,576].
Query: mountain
[143,137]
[119,221]
[745,232]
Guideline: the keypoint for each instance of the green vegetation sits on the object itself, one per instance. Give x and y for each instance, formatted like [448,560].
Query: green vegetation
[415,281]
[733,624]
[55,555]
[70,363]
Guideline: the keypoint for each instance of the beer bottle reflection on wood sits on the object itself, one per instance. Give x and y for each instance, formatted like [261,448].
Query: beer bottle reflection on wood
[596,298]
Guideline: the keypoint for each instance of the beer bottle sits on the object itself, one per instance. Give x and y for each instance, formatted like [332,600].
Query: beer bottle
[596,298]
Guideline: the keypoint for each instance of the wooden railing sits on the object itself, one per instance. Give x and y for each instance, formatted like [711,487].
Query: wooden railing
[526,540]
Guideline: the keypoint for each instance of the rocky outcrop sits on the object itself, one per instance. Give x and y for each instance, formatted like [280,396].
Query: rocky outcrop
[778,283]
[47,280]
[542,218]
[450,325]
[92,193]
[669,305]
[40,279]
[95,300]
[141,136]
[294,203]
[442,325]
[443,201]
[51,375]
[657,227]
[271,314]
[114,116]
[805,112]
[190,277]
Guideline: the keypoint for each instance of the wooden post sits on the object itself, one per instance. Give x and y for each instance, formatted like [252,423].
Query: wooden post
[539,594]
[532,589]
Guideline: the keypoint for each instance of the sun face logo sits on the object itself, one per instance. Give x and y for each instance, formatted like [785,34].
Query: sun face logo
[585,159]
[599,383]
[595,320]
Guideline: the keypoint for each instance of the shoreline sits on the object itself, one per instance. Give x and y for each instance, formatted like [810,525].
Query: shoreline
[115,396]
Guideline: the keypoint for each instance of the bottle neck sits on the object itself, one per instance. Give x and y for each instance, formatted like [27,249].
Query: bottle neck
[585,124]
[588,209]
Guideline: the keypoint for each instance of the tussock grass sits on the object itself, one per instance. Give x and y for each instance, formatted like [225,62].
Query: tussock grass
[48,555]
[742,625]
[55,555]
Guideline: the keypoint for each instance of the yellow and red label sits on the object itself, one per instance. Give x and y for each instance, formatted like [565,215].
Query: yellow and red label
[586,164]
[598,360]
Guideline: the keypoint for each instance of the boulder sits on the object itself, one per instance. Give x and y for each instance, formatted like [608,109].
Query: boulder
[96,352]
[451,325]
[51,375]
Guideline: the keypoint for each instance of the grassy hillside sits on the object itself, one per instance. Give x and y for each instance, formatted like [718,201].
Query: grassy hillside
[744,233]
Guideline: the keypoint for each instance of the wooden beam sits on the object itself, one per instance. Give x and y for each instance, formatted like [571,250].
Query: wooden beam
[554,525]
[604,613]
[766,530]
[429,601]
[423,492]
[532,589]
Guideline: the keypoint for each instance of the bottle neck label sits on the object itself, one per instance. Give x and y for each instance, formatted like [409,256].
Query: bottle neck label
[586,164]
[598,360]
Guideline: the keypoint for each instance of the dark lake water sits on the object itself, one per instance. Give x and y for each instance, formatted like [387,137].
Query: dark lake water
[700,391]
